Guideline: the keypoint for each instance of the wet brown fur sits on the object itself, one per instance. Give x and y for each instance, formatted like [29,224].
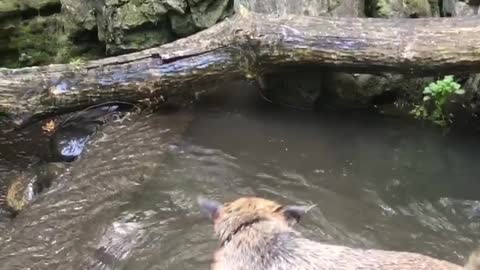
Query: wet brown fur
[257,234]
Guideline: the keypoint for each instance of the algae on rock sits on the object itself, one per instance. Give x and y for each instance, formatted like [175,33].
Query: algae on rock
[401,8]
[346,8]
[10,7]
[207,12]
[45,40]
[95,28]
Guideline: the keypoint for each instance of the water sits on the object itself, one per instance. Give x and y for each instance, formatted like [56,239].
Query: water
[129,202]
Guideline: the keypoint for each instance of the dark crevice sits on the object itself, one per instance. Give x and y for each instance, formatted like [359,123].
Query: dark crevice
[387,97]
[442,11]
[45,11]
[50,9]
[368,8]
[87,43]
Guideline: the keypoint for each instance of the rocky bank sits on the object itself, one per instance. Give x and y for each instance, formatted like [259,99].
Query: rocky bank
[62,31]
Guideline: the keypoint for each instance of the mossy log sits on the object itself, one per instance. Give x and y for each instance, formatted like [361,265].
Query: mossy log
[248,44]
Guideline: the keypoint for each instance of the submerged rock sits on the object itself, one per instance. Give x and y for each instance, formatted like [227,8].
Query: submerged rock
[69,140]
[20,191]
[23,188]
[94,188]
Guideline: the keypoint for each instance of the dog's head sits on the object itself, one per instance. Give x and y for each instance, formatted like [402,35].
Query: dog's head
[232,216]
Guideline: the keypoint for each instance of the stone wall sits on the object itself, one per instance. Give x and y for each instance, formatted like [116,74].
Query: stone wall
[59,31]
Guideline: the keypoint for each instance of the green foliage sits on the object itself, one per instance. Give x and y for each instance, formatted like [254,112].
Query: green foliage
[77,62]
[435,97]
[47,40]
[41,41]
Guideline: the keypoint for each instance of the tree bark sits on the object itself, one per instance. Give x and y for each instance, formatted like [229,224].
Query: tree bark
[246,45]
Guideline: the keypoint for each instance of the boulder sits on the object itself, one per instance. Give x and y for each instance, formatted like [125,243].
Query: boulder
[22,188]
[20,191]
[206,13]
[182,24]
[81,13]
[132,25]
[43,40]
[67,30]
[346,8]
[13,7]
[389,93]
[462,9]
[296,88]
[300,88]
[401,8]
[69,139]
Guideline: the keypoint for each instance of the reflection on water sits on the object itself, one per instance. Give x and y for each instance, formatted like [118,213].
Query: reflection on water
[378,183]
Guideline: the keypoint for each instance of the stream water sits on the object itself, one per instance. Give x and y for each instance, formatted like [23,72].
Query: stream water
[129,202]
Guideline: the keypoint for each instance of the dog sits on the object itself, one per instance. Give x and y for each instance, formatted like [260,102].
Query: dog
[258,234]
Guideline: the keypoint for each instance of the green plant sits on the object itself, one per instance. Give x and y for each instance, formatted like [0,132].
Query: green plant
[77,62]
[435,97]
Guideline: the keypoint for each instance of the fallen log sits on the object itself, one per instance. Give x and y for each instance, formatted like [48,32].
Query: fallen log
[248,44]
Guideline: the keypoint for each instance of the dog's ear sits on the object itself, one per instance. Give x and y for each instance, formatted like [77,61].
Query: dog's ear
[210,208]
[294,213]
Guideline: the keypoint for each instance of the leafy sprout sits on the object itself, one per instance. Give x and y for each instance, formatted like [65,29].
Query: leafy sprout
[435,96]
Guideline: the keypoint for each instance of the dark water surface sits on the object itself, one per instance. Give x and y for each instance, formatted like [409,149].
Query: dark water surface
[129,202]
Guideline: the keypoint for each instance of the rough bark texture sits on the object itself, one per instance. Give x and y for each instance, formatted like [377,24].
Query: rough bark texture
[248,45]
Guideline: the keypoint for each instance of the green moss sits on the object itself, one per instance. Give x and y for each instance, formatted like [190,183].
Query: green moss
[18,6]
[384,9]
[44,40]
[420,8]
[206,14]
[8,6]
[401,8]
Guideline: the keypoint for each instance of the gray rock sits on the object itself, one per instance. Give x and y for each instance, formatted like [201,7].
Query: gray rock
[349,8]
[121,26]
[9,7]
[344,8]
[179,6]
[448,7]
[283,7]
[207,12]
[435,7]
[365,90]
[462,9]
[401,8]
[473,2]
[135,25]
[182,24]
[80,12]
[22,188]
[299,88]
